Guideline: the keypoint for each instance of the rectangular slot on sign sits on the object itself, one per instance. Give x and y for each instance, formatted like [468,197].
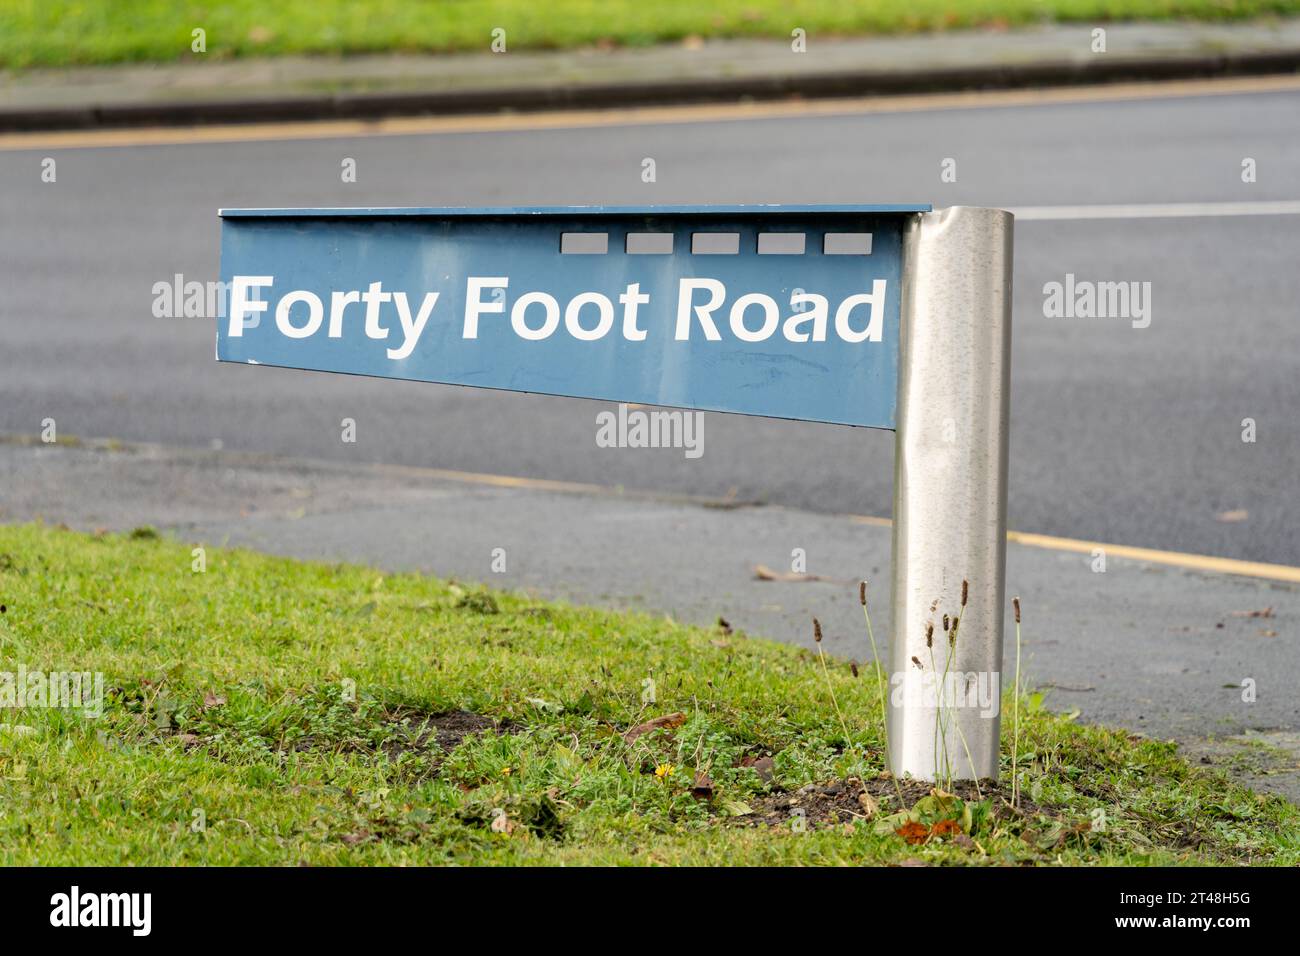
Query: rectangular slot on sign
[847,244]
[584,243]
[715,243]
[780,243]
[649,243]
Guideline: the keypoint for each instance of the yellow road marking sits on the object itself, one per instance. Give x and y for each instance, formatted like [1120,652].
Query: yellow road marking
[634,116]
[1176,559]
[871,520]
[503,481]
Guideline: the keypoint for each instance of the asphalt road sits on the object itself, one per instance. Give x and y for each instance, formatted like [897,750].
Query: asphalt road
[1118,434]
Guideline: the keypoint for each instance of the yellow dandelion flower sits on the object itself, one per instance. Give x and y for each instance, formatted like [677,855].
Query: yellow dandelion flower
[664,770]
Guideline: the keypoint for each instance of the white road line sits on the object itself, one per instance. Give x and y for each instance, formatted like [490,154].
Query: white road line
[1178,210]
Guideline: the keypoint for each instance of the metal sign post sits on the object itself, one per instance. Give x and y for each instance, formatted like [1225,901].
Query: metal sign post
[882,316]
[950,495]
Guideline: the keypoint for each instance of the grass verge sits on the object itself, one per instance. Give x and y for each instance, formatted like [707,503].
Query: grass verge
[268,711]
[71,32]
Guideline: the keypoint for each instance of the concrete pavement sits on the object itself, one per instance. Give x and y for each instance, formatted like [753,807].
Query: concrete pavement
[370,86]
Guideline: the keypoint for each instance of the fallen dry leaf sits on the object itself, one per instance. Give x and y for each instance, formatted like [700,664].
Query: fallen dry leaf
[737,808]
[1261,612]
[702,787]
[914,833]
[211,700]
[945,828]
[666,722]
[760,765]
[868,804]
[763,573]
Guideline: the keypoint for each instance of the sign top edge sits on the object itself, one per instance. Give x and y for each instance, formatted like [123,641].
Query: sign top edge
[753,209]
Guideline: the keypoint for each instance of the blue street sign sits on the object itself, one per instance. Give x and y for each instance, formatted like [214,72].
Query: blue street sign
[782,311]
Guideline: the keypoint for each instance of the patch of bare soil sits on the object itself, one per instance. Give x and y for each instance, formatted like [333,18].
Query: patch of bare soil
[406,729]
[450,730]
[418,731]
[844,801]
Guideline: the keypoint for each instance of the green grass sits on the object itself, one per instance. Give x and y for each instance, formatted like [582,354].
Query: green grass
[66,32]
[269,711]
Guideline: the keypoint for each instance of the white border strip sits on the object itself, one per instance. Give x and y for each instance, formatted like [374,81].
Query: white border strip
[1182,210]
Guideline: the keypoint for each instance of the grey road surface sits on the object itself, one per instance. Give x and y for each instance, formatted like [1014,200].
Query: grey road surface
[1119,434]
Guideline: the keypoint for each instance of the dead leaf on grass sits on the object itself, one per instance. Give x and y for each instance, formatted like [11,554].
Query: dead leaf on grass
[702,787]
[913,832]
[737,808]
[666,722]
[762,766]
[945,828]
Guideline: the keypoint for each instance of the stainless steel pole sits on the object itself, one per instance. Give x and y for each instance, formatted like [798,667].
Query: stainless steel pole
[950,495]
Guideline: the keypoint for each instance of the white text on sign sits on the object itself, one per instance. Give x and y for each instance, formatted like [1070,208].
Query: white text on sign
[703,309]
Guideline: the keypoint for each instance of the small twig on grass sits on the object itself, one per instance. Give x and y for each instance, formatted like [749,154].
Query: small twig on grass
[880,685]
[939,739]
[817,639]
[1015,711]
[952,651]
